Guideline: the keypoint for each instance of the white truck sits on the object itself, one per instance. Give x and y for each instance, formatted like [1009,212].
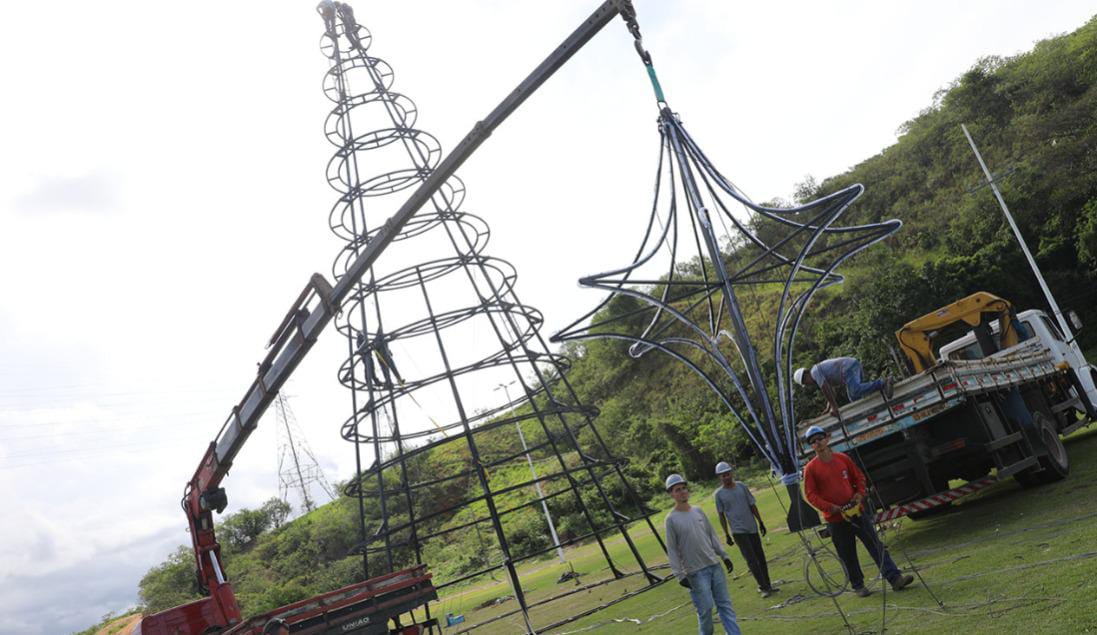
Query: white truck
[978,409]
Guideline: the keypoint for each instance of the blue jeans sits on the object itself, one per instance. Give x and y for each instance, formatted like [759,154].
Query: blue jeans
[708,588]
[857,387]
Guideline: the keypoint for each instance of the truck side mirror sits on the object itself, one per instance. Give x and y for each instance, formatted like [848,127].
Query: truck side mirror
[1075,321]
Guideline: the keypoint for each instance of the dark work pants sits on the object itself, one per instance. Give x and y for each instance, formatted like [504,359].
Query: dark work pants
[845,534]
[750,545]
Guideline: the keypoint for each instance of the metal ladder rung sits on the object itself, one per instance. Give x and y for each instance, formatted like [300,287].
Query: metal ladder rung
[1019,466]
[998,444]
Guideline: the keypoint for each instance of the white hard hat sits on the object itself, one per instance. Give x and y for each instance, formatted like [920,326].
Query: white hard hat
[798,376]
[673,480]
[722,468]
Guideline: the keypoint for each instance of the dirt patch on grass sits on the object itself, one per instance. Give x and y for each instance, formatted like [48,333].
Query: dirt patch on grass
[120,626]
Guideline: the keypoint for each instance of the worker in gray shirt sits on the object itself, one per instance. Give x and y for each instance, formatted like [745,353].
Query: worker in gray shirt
[695,554]
[735,505]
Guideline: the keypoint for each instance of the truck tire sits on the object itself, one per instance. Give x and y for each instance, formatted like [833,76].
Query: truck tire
[1054,463]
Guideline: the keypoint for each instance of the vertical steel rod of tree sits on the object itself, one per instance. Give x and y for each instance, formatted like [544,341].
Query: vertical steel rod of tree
[478,465]
[1024,247]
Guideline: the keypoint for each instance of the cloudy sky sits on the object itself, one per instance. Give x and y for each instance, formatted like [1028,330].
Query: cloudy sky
[163,201]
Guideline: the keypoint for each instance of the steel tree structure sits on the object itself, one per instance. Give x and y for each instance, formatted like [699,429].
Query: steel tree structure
[429,335]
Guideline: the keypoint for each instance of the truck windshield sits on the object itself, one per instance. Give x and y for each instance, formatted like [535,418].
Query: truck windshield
[972,351]
[1052,328]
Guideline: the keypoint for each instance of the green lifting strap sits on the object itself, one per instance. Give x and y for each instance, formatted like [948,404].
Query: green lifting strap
[655,84]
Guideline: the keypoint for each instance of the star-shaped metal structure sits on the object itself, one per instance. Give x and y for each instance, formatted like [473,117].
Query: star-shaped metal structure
[705,244]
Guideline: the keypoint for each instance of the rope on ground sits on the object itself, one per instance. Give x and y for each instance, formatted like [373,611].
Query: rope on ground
[620,620]
[1021,567]
[998,535]
[951,611]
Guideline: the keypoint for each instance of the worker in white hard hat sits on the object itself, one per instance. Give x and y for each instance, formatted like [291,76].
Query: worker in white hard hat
[834,485]
[695,554]
[741,522]
[840,371]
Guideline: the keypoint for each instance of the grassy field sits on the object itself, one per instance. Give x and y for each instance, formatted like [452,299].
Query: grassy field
[1004,560]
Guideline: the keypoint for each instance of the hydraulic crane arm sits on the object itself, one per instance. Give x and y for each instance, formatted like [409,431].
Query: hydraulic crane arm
[976,310]
[315,307]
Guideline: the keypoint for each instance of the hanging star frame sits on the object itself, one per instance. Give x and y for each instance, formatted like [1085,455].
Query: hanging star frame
[687,281]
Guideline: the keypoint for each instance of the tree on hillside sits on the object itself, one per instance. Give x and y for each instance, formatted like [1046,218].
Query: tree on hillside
[169,583]
[239,530]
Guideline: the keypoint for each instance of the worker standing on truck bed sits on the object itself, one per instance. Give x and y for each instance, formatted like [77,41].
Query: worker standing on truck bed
[735,506]
[695,553]
[840,371]
[835,486]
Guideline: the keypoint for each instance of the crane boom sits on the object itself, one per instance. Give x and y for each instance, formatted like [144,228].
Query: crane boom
[313,310]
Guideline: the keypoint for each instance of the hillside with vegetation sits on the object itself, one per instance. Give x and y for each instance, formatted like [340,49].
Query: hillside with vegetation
[1033,115]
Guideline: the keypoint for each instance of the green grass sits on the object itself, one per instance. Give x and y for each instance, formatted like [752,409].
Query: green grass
[1004,560]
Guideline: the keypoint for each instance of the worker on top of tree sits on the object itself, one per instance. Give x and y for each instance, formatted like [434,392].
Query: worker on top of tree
[840,371]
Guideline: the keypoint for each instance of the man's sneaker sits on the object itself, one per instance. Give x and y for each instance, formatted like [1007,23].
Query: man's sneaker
[768,592]
[863,592]
[901,581]
[888,388]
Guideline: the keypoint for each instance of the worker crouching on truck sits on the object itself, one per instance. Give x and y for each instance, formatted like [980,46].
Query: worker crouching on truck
[840,371]
[695,554]
[835,486]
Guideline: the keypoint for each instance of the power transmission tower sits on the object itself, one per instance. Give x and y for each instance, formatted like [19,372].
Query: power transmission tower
[298,469]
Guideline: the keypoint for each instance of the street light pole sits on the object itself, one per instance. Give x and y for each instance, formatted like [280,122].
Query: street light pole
[1063,325]
[536,483]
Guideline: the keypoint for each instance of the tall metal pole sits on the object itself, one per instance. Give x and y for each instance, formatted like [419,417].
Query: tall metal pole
[1063,325]
[536,483]
[307,502]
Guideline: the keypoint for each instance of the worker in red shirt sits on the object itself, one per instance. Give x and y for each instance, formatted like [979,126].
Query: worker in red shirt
[835,486]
